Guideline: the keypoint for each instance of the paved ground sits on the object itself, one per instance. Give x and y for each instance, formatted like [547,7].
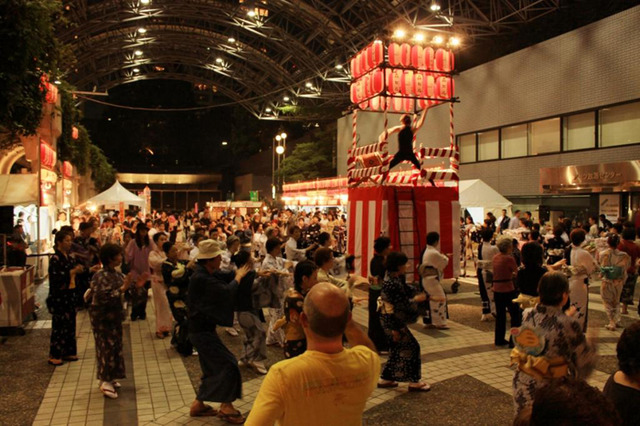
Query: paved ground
[470,378]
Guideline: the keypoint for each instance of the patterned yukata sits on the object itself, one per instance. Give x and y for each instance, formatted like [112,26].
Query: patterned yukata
[138,260]
[296,341]
[585,265]
[106,320]
[611,289]
[433,264]
[164,320]
[283,283]
[62,305]
[404,354]
[564,338]
[250,319]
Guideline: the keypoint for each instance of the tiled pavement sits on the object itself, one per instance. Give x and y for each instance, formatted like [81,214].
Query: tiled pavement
[159,392]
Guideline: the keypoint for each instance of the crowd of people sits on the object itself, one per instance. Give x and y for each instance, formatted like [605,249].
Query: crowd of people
[225,270]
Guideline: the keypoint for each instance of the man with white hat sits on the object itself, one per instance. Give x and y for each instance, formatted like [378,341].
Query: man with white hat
[211,303]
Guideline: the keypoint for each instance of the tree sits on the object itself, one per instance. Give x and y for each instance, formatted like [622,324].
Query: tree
[310,160]
[29,50]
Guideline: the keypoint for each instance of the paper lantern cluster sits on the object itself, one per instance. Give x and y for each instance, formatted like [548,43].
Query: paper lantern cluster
[51,90]
[412,74]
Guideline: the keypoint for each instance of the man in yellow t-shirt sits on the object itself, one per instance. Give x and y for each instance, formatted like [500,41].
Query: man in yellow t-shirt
[328,384]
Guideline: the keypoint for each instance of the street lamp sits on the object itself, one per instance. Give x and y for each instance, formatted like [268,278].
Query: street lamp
[278,155]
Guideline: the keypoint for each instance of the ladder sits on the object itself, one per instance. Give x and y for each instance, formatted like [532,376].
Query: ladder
[408,231]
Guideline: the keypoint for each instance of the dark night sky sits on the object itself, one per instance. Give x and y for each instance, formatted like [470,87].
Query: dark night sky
[181,141]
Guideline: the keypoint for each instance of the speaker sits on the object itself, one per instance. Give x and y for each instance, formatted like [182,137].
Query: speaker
[6,220]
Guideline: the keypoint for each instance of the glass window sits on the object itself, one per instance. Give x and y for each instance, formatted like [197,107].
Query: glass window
[467,145]
[545,136]
[580,131]
[488,145]
[514,141]
[620,125]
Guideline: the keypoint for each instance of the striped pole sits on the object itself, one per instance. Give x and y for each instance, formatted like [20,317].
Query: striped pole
[455,158]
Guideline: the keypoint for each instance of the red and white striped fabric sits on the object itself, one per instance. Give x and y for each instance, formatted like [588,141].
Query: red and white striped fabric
[438,152]
[373,212]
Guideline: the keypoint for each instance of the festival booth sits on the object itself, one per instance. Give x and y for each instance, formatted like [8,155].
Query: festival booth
[402,78]
[323,193]
[217,208]
[478,199]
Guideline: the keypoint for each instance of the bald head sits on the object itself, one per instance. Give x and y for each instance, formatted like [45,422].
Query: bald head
[327,309]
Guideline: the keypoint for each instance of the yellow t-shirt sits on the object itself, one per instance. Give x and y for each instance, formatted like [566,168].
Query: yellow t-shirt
[316,388]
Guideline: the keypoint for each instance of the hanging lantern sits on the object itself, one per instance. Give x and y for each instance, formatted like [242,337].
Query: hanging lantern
[366,83]
[359,90]
[396,104]
[417,56]
[405,55]
[354,93]
[378,103]
[408,104]
[377,81]
[377,53]
[362,58]
[406,84]
[444,60]
[444,87]
[428,58]
[395,54]
[354,68]
[418,83]
[428,91]
[394,80]
[364,105]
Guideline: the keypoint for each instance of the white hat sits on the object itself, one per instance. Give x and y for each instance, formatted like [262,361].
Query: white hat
[209,249]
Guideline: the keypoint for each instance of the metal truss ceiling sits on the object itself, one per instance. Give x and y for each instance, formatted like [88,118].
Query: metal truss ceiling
[292,51]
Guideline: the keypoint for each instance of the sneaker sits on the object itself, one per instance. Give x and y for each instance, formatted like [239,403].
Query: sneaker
[259,367]
[231,331]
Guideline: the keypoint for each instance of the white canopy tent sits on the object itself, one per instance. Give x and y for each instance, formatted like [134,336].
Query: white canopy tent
[112,197]
[19,189]
[479,199]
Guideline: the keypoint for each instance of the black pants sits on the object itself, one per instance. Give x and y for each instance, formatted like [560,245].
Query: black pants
[376,332]
[504,303]
[404,156]
[221,381]
[486,302]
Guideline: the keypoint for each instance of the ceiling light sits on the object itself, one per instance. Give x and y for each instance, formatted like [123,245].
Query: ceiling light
[434,6]
[399,33]
[438,39]
[138,53]
[279,149]
[251,13]
[57,82]
[145,1]
[142,30]
[339,66]
[225,143]
[231,40]
[283,135]
[454,41]
[219,60]
[286,99]
[309,85]
[136,70]
[278,138]
[267,109]
[418,37]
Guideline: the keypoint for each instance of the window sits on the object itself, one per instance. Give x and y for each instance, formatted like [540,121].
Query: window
[545,136]
[580,131]
[620,125]
[488,143]
[514,141]
[467,145]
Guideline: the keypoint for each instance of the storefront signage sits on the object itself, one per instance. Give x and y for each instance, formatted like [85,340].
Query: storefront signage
[594,177]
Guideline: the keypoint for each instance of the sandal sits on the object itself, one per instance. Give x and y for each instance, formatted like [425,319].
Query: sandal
[55,362]
[235,418]
[208,411]
[388,384]
[424,387]
[108,393]
[70,358]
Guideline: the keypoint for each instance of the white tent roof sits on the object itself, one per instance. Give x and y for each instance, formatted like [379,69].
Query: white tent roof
[19,189]
[476,193]
[112,197]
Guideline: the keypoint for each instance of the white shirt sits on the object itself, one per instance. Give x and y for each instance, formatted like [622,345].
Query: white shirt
[435,259]
[514,223]
[292,251]
[488,252]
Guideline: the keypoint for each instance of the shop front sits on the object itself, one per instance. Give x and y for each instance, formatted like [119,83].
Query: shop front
[612,189]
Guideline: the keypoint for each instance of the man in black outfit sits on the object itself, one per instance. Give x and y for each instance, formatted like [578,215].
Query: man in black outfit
[377,268]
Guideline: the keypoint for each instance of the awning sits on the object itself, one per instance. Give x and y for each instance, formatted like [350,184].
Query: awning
[18,189]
